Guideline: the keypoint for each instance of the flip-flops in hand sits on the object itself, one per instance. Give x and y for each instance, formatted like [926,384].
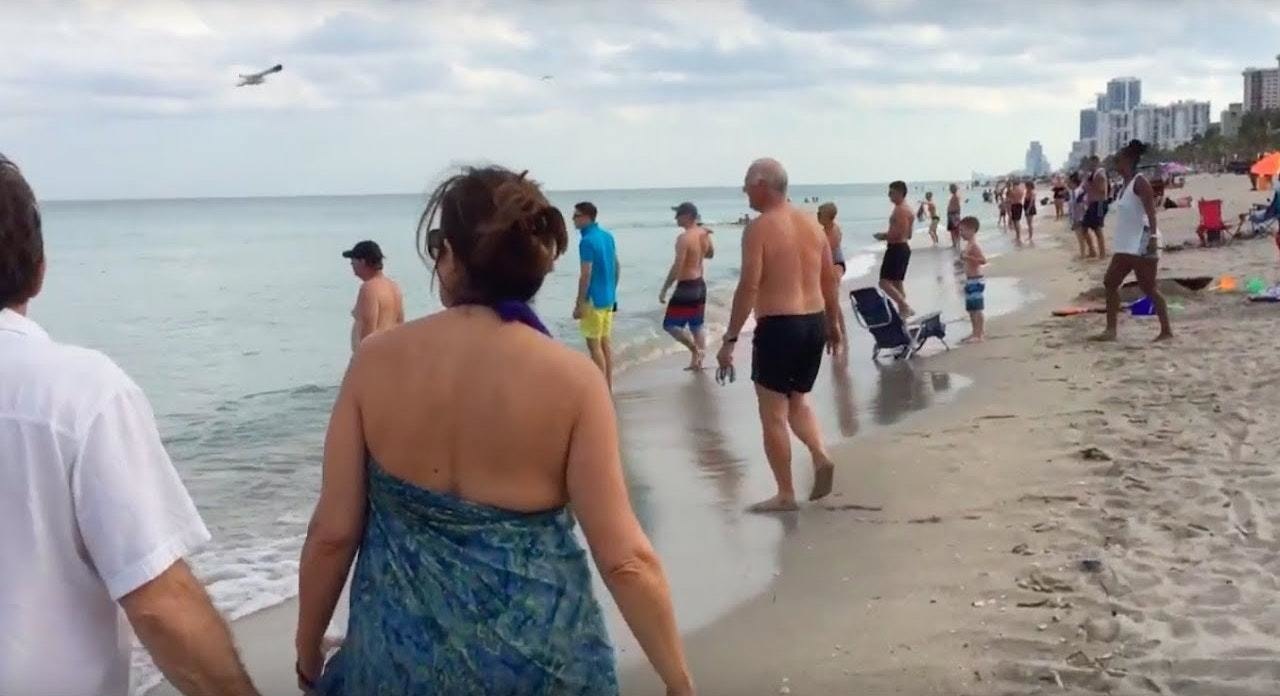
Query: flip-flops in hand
[725,375]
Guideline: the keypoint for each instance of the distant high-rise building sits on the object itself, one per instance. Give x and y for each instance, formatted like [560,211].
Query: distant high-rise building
[1262,88]
[1036,163]
[1088,123]
[1101,101]
[1123,93]
[1231,119]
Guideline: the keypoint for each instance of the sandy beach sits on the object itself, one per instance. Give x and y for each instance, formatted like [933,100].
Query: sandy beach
[1035,514]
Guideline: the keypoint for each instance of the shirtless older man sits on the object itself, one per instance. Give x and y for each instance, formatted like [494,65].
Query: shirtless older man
[686,311]
[788,279]
[379,304]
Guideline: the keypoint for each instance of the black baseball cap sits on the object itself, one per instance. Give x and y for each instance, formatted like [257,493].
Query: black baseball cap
[687,208]
[365,251]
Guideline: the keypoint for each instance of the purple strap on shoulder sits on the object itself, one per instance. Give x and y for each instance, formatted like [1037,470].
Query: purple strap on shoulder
[515,310]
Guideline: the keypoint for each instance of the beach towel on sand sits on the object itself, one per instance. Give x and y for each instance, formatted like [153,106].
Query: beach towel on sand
[452,597]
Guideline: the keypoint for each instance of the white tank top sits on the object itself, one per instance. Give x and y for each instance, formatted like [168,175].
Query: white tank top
[1131,233]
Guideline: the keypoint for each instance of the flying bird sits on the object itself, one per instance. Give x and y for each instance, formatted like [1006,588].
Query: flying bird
[548,78]
[258,77]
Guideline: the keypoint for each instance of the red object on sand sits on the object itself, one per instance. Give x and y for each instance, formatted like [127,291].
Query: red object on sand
[1211,224]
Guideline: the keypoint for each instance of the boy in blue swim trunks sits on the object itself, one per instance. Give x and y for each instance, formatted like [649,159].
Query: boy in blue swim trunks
[974,284]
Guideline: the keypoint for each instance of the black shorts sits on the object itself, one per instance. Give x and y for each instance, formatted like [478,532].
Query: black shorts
[953,222]
[1015,212]
[1094,216]
[786,352]
[896,257]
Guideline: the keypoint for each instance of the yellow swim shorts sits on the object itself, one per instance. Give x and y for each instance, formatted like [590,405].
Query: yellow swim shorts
[596,323]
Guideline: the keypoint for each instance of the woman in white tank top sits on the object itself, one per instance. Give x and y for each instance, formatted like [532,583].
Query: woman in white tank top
[1136,242]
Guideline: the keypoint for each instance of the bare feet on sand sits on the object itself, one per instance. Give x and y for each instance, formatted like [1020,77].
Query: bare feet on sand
[1104,337]
[778,503]
[972,339]
[823,478]
[695,365]
[1164,336]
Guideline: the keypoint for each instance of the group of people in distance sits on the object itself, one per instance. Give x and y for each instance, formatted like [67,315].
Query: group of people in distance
[1016,200]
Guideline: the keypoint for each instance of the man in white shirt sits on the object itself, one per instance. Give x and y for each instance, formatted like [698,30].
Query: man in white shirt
[94,522]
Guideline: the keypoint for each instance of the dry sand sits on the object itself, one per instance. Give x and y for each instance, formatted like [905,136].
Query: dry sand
[952,559]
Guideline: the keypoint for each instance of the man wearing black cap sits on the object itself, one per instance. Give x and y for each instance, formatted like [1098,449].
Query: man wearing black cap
[685,313]
[379,304]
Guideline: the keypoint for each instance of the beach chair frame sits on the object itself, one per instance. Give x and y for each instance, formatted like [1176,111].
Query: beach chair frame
[914,332]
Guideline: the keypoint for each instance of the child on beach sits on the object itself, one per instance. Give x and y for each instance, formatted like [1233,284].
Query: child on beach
[974,285]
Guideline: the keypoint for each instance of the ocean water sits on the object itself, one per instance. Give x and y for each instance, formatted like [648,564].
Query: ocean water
[233,315]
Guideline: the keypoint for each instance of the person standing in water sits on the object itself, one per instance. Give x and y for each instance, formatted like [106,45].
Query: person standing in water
[953,216]
[379,304]
[931,209]
[687,309]
[1017,197]
[789,281]
[835,239]
[1029,208]
[1136,244]
[897,252]
[598,277]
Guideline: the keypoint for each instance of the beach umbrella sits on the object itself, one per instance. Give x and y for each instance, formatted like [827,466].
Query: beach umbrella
[1269,165]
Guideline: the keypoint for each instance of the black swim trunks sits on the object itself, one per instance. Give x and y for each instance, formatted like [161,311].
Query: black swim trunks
[896,257]
[1015,212]
[1094,215]
[786,352]
[953,221]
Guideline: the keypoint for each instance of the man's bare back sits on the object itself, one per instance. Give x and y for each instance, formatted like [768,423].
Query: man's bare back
[379,306]
[791,245]
[1096,190]
[692,247]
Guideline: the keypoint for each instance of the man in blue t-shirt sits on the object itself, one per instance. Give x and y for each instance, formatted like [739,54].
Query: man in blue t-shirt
[597,287]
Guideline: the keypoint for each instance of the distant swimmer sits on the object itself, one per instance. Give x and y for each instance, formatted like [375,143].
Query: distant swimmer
[258,77]
[686,312]
[897,251]
[379,304]
[789,280]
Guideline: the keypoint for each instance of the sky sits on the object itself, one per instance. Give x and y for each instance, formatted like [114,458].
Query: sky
[136,98]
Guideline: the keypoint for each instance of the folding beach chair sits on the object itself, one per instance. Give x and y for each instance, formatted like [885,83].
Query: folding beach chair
[1265,219]
[877,314]
[1212,228]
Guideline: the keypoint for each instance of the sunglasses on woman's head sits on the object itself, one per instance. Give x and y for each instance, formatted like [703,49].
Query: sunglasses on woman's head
[435,243]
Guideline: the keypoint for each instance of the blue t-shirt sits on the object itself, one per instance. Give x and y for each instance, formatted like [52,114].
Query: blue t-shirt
[596,248]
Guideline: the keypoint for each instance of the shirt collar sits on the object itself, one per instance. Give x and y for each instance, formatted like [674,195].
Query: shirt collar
[590,228]
[13,322]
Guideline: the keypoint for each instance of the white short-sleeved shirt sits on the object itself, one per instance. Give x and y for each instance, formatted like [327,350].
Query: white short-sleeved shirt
[91,509]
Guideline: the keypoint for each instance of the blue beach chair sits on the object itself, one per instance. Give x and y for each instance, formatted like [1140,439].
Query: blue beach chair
[878,315]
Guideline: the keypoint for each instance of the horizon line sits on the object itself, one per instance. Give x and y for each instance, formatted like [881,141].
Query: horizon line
[160,199]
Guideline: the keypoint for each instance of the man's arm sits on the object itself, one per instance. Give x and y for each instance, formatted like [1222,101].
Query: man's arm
[190,643]
[744,298]
[710,252]
[617,272]
[682,248]
[138,524]
[584,281]
[366,313]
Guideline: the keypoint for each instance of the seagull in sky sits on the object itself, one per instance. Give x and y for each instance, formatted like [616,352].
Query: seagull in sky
[548,78]
[258,77]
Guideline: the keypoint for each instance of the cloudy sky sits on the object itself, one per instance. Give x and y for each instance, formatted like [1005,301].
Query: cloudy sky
[135,98]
